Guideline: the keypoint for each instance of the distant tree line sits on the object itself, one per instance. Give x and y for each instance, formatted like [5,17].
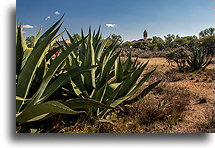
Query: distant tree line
[206,40]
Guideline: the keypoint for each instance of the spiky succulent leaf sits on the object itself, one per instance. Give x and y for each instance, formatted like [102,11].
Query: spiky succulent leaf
[118,70]
[39,111]
[37,36]
[143,93]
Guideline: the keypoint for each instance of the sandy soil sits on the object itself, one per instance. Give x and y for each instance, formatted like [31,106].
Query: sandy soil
[197,114]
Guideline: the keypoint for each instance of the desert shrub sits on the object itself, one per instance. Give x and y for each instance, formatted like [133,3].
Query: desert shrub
[165,104]
[180,57]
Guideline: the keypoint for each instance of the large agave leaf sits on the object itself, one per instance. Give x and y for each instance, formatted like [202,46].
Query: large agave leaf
[78,80]
[52,69]
[134,65]
[143,93]
[83,49]
[118,70]
[63,79]
[27,53]
[99,48]
[20,48]
[97,43]
[130,82]
[41,71]
[108,52]
[89,77]
[107,68]
[128,63]
[37,36]
[77,91]
[70,37]
[125,100]
[110,96]
[26,76]
[96,37]
[114,104]
[39,111]
[140,83]
[48,32]
[100,93]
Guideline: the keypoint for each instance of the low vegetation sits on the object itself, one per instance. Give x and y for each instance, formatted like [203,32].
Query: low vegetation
[96,85]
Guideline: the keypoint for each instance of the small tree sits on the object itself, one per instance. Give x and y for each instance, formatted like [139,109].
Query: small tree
[169,38]
[188,42]
[180,57]
[159,42]
[207,32]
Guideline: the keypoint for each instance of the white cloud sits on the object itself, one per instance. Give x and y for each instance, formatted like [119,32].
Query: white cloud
[23,32]
[111,25]
[48,17]
[28,26]
[57,13]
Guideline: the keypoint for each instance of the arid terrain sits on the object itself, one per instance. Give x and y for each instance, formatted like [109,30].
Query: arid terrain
[182,103]
[200,108]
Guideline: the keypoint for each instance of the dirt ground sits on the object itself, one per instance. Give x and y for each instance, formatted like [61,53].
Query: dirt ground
[200,109]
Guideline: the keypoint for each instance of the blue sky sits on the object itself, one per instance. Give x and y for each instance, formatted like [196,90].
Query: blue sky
[127,18]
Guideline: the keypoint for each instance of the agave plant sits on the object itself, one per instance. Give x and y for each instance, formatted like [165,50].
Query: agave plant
[199,59]
[31,66]
[111,83]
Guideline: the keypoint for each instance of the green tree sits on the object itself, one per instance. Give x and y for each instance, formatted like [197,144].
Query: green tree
[112,38]
[208,44]
[169,38]
[159,43]
[30,41]
[116,37]
[207,32]
[188,42]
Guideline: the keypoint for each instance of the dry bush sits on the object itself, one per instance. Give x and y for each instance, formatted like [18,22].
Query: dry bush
[165,104]
[136,52]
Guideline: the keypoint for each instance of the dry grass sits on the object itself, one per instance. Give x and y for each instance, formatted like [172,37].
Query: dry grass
[164,106]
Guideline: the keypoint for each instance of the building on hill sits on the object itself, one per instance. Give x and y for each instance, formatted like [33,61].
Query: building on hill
[142,43]
[145,36]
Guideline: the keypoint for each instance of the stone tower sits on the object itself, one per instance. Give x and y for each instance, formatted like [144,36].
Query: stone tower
[145,35]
